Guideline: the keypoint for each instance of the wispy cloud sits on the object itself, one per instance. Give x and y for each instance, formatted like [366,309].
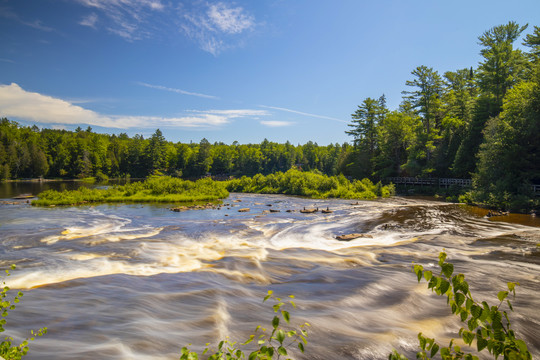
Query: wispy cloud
[31,106]
[38,24]
[178,91]
[303,113]
[271,123]
[7,60]
[129,19]
[213,26]
[229,20]
[8,13]
[89,20]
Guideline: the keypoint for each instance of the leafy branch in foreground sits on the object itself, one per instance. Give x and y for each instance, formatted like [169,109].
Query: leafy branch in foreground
[488,325]
[271,344]
[8,350]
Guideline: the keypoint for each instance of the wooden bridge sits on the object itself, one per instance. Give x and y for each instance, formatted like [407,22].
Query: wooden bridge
[441,182]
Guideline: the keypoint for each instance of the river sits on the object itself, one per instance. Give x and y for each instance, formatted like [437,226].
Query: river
[141,281]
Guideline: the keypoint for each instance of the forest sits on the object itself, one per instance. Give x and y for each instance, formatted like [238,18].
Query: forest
[480,122]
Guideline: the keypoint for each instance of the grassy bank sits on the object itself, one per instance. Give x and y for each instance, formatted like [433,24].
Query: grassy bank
[295,182]
[155,189]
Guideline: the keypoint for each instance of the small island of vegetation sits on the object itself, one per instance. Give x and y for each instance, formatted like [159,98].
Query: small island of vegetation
[166,189]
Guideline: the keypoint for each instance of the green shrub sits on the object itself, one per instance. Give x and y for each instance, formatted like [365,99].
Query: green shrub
[310,184]
[8,350]
[269,345]
[487,326]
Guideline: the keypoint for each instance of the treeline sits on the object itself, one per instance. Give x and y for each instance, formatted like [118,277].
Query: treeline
[481,122]
[30,152]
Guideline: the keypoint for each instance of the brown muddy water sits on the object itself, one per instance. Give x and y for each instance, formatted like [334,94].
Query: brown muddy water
[141,281]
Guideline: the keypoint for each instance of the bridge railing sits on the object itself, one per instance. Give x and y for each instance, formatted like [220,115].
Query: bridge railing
[441,182]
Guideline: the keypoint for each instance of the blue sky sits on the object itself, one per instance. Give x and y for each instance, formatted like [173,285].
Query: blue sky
[244,70]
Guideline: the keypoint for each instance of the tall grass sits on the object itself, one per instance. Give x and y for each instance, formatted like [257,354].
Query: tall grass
[155,189]
[295,182]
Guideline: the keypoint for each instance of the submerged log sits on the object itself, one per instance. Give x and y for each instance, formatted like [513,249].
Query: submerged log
[243,210]
[353,236]
[23,196]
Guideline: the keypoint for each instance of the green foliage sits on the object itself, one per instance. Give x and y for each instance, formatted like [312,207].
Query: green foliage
[272,343]
[154,189]
[296,182]
[489,327]
[9,350]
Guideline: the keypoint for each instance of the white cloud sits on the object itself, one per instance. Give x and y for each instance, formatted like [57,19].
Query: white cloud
[7,60]
[276,123]
[303,113]
[89,20]
[214,25]
[229,20]
[31,106]
[178,91]
[129,19]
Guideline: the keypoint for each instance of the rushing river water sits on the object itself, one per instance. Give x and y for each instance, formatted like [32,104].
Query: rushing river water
[141,281]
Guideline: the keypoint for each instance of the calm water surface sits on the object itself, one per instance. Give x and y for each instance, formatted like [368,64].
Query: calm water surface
[141,281]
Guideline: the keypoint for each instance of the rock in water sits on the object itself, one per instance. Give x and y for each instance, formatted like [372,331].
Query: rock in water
[353,236]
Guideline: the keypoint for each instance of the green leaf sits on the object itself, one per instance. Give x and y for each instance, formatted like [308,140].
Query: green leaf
[270,292]
[468,304]
[476,311]
[434,350]
[467,337]
[464,315]
[301,347]
[444,286]
[502,295]
[481,343]
[275,322]
[460,299]
[432,283]
[447,269]
[522,346]
[442,257]
[428,275]
[422,341]
[280,336]
[282,351]
[418,271]
[286,316]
